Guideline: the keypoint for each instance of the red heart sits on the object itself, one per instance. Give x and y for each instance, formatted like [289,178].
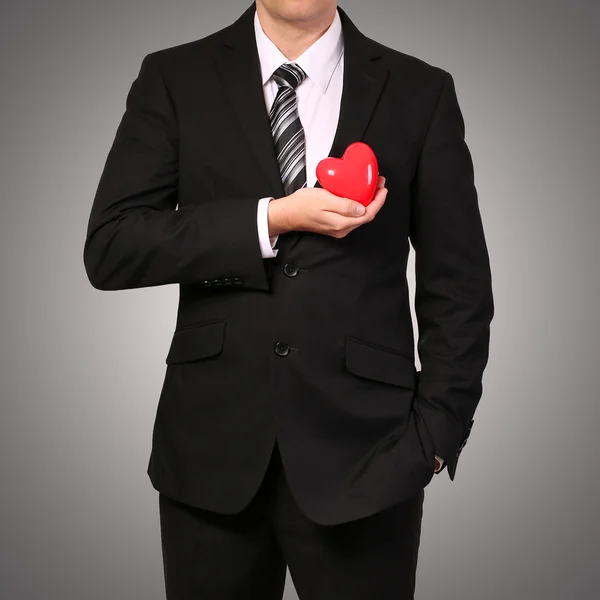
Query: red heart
[352,176]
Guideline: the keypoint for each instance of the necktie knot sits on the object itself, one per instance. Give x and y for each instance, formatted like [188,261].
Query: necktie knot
[289,75]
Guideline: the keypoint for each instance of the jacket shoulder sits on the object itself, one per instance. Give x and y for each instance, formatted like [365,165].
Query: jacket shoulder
[186,52]
[415,69]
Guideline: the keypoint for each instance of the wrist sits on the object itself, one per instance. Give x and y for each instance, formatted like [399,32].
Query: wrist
[278,217]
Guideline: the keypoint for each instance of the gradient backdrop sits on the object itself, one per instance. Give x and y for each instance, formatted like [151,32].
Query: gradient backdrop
[81,370]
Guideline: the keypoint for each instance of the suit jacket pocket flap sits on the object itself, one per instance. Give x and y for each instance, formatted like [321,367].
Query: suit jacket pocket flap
[197,342]
[375,362]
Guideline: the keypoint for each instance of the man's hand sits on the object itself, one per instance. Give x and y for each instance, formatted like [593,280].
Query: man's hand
[320,211]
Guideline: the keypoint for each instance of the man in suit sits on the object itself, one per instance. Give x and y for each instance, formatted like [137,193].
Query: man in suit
[292,427]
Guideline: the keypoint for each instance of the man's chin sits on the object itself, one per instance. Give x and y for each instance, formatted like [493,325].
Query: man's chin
[299,17]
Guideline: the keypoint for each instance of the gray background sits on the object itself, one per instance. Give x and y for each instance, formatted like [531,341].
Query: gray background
[81,370]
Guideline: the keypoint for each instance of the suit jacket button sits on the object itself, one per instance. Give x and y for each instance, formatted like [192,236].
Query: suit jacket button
[206,282]
[217,282]
[227,281]
[282,349]
[237,281]
[290,269]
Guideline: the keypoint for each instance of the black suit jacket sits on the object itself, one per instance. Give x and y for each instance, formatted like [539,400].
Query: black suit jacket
[314,347]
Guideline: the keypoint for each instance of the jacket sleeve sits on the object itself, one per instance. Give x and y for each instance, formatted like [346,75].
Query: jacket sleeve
[453,287]
[136,236]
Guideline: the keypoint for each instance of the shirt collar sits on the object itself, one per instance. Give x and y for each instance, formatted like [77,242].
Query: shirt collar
[318,61]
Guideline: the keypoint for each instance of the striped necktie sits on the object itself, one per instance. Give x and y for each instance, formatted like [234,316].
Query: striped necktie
[286,128]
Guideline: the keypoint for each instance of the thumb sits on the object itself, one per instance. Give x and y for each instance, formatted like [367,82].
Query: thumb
[353,208]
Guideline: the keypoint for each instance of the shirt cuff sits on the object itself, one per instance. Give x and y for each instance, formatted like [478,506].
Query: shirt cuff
[262,223]
[441,463]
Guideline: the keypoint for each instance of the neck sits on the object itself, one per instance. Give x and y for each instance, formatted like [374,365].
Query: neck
[293,37]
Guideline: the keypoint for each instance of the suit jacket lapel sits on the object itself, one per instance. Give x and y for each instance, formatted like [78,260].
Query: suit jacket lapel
[239,66]
[363,82]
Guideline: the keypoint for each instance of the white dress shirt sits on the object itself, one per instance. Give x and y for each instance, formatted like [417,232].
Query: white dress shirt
[319,98]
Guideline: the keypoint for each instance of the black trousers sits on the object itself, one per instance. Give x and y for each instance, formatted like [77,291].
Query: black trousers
[210,556]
